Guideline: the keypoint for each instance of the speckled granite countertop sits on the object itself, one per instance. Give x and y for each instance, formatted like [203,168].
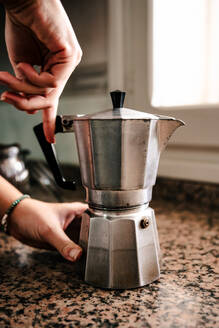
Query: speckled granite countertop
[40,289]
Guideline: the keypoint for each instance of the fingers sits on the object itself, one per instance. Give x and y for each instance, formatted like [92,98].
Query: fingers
[26,103]
[34,103]
[72,210]
[76,208]
[63,63]
[69,211]
[55,234]
[43,79]
[49,119]
[65,246]
[20,85]
[34,91]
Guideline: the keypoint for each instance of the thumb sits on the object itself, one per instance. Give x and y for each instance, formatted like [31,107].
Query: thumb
[64,245]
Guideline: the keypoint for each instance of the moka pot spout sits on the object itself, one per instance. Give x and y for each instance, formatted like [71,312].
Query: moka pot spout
[165,128]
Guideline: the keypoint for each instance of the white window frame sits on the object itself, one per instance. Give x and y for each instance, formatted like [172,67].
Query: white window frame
[193,151]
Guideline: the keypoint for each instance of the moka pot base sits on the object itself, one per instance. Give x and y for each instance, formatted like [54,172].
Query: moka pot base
[121,247]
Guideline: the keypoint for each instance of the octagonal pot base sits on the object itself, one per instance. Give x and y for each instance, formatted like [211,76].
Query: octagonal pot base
[121,248]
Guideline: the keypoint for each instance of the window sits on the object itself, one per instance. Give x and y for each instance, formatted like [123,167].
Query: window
[185,52]
[169,65]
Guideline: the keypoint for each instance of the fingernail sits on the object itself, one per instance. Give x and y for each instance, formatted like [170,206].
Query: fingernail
[6,99]
[75,253]
[51,140]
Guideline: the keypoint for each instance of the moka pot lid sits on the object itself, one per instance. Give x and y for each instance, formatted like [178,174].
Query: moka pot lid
[118,112]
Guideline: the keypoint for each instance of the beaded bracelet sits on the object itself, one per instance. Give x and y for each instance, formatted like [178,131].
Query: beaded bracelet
[4,224]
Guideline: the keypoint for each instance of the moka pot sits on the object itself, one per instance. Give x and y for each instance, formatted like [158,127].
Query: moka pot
[119,151]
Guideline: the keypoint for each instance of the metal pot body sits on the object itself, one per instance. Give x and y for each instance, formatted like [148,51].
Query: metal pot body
[118,160]
[119,152]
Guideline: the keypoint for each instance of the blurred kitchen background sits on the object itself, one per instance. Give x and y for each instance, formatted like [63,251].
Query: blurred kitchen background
[164,54]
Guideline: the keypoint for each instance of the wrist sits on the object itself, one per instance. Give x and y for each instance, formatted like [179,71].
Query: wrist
[8,193]
[10,210]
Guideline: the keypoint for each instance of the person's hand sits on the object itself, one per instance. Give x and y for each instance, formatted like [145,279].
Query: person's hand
[38,33]
[43,225]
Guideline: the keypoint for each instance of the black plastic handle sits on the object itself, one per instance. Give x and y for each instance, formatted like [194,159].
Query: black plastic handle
[50,154]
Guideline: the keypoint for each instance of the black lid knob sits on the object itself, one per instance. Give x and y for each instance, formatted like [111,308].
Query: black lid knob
[118,98]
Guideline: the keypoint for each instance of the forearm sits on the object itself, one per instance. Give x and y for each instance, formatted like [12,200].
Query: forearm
[8,194]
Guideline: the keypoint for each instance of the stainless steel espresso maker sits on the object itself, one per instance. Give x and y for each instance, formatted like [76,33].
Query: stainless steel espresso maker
[119,152]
